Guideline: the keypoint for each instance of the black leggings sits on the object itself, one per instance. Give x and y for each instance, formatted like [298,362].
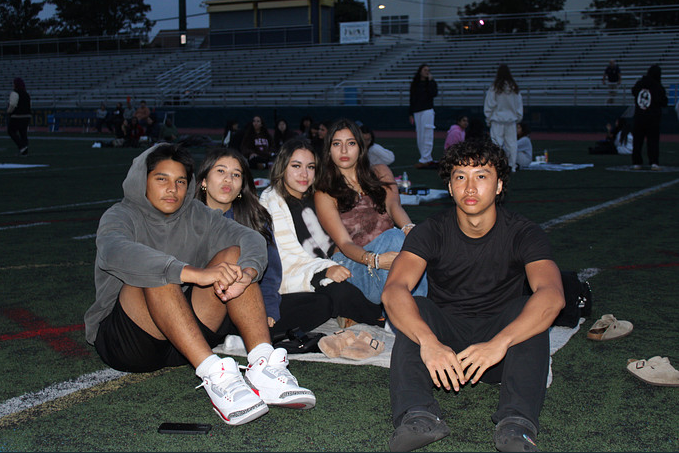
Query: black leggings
[348,301]
[304,310]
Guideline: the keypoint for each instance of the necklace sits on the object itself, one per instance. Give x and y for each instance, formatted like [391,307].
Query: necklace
[354,186]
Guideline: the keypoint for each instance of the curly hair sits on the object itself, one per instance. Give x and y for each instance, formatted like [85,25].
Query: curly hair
[332,182]
[476,153]
[246,209]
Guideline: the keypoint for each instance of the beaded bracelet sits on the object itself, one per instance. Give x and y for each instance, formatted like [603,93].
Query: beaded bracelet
[407,227]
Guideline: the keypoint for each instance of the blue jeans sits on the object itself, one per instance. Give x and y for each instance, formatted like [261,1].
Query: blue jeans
[372,285]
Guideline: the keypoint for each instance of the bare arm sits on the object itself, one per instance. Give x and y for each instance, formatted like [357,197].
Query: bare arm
[440,360]
[536,317]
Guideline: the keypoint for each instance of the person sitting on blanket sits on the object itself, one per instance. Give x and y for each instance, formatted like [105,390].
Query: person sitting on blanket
[360,208]
[474,324]
[303,246]
[172,276]
[225,183]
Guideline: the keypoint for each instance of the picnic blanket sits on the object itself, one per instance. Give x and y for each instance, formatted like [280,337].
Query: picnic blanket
[414,200]
[555,167]
[11,166]
[233,345]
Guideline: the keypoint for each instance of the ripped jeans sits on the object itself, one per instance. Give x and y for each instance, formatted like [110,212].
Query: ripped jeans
[372,285]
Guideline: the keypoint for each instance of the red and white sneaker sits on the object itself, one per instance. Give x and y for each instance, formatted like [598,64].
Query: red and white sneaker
[233,400]
[272,381]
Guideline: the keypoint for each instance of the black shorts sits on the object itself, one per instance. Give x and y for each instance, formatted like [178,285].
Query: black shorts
[125,346]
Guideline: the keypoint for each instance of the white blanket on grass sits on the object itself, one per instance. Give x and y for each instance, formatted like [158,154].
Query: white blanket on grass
[555,167]
[233,345]
[414,200]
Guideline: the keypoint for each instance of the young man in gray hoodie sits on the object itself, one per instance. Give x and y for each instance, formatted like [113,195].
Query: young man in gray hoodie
[172,277]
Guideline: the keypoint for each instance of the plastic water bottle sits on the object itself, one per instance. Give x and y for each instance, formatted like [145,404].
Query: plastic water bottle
[546,154]
[405,182]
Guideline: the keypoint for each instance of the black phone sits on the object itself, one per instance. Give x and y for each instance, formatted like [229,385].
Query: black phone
[184,428]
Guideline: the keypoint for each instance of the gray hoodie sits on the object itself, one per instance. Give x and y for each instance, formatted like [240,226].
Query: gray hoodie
[140,246]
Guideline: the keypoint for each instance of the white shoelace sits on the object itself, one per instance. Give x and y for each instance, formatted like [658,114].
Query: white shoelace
[229,385]
[277,371]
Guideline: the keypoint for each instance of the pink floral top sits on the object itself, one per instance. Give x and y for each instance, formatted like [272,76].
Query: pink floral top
[364,223]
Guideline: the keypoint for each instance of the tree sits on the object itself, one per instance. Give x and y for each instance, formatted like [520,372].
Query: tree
[350,11]
[19,20]
[101,17]
[516,18]
[633,13]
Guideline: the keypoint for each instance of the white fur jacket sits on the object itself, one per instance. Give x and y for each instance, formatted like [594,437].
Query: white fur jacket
[299,266]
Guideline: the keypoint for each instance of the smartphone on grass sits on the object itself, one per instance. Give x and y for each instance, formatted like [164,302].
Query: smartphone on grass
[184,428]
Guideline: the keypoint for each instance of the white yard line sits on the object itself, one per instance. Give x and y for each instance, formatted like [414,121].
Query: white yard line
[86,381]
[26,225]
[609,204]
[29,400]
[49,208]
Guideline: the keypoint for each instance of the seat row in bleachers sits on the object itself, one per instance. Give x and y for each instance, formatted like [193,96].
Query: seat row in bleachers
[551,68]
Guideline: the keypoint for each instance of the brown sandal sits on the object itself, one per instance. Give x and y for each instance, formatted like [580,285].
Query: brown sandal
[332,345]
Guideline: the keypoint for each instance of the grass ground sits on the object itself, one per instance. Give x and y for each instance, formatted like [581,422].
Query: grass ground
[49,215]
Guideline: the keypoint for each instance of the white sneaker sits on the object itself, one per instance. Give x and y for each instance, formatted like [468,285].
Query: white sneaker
[231,397]
[272,381]
[655,167]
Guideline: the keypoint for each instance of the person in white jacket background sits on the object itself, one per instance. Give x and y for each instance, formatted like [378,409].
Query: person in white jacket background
[503,108]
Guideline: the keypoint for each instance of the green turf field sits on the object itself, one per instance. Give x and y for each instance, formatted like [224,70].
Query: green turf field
[48,218]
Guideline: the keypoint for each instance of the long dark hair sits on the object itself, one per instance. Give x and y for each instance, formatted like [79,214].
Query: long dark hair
[246,208]
[416,77]
[366,130]
[281,137]
[332,182]
[504,80]
[283,157]
[623,127]
[249,135]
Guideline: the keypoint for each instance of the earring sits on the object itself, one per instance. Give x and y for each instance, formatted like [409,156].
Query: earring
[240,195]
[203,188]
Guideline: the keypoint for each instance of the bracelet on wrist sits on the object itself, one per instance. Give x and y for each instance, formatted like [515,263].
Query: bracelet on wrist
[407,227]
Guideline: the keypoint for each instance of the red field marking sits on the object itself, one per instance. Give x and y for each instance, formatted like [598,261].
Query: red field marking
[36,327]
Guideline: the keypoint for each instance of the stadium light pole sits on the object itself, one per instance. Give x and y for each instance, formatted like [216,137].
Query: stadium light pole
[370,17]
[182,22]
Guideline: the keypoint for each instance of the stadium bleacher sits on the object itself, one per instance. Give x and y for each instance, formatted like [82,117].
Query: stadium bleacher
[558,68]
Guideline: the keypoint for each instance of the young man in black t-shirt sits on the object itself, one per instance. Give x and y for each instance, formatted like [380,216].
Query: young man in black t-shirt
[475,324]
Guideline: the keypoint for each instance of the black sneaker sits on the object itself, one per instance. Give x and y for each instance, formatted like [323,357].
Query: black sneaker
[23,151]
[515,434]
[418,428]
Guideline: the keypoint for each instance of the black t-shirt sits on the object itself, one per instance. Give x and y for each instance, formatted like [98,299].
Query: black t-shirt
[476,277]
[309,231]
[613,73]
